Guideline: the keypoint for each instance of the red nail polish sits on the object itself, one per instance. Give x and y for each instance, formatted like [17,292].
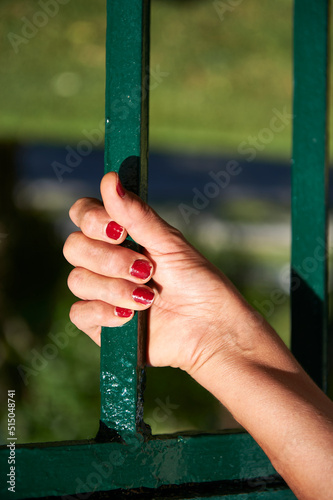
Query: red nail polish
[143,296]
[141,269]
[121,312]
[120,190]
[114,231]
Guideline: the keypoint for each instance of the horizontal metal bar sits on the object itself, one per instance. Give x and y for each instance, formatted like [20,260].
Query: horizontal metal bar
[82,467]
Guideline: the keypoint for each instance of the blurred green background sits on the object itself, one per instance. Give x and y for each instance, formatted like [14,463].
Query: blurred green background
[223,76]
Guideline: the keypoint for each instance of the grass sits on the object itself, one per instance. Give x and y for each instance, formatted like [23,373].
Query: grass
[225,77]
[221,78]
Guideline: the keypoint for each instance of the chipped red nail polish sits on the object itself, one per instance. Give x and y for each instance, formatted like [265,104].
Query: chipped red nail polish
[114,231]
[141,269]
[122,312]
[120,190]
[143,296]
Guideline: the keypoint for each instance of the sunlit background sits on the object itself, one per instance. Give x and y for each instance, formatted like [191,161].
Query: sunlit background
[221,96]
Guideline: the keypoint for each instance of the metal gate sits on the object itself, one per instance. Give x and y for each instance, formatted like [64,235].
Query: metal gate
[125,460]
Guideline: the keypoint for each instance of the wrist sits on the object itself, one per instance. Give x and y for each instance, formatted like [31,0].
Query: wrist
[239,351]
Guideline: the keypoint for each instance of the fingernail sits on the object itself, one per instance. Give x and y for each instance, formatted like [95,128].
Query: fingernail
[141,269]
[114,231]
[143,296]
[121,312]
[120,190]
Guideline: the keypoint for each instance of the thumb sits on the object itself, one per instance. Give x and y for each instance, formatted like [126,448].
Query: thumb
[139,219]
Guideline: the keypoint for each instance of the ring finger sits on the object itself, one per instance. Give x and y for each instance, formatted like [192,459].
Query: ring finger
[87,285]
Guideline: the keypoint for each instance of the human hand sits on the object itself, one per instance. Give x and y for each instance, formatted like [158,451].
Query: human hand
[193,310]
[198,321]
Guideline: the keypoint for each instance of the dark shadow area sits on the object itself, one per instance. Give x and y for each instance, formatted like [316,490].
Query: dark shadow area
[30,266]
[309,329]
[174,401]
[189,490]
[129,174]
[42,354]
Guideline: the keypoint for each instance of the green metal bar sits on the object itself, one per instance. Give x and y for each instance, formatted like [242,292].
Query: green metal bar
[309,187]
[52,469]
[126,152]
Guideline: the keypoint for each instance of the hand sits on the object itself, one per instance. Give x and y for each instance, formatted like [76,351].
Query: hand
[193,308]
[199,322]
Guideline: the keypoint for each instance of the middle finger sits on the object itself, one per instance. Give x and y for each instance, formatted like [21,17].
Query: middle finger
[107,260]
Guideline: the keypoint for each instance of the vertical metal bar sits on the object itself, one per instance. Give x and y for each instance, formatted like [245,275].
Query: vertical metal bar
[309,187]
[126,152]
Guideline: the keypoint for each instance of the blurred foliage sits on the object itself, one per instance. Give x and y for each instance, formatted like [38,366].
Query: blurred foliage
[218,69]
[53,85]
[226,73]
[53,369]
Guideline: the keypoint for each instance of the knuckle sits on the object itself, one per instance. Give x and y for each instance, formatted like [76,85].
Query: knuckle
[115,291]
[99,313]
[176,233]
[74,279]
[109,293]
[147,212]
[75,209]
[176,236]
[74,314]
[71,243]
[108,263]
[81,209]
[89,218]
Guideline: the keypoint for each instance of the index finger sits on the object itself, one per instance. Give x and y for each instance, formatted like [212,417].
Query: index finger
[91,217]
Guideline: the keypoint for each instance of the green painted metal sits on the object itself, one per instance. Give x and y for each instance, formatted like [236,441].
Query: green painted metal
[124,456]
[309,187]
[257,495]
[260,495]
[83,467]
[126,152]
